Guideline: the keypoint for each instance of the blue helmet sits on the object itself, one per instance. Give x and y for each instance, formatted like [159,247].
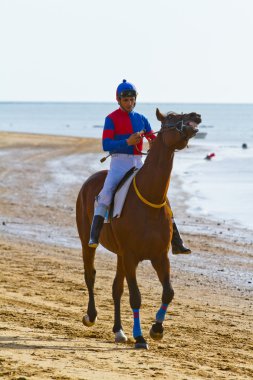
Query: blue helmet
[125,89]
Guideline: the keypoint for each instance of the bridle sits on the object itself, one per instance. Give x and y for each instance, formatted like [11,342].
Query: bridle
[179,125]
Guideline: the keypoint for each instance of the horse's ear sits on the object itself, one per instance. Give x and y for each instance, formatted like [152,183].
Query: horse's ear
[159,115]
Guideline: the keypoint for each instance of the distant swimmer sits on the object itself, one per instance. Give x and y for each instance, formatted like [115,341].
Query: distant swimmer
[244,146]
[209,156]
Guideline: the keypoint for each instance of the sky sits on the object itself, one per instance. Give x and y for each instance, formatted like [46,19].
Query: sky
[173,50]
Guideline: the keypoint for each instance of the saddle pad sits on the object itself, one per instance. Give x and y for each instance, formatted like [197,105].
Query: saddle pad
[120,197]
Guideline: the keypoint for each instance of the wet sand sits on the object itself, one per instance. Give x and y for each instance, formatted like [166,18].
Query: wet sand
[208,330]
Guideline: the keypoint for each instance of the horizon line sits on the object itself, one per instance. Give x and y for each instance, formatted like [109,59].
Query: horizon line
[112,102]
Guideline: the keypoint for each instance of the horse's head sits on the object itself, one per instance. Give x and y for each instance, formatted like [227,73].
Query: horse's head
[177,129]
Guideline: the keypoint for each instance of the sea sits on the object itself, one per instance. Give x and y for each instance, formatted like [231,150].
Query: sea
[219,188]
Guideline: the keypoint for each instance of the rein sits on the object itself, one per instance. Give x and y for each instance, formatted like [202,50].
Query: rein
[179,126]
[145,153]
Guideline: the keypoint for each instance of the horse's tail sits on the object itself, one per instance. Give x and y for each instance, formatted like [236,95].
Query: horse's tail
[81,216]
[85,204]
[79,205]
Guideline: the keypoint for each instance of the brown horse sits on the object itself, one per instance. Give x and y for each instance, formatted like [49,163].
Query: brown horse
[144,230]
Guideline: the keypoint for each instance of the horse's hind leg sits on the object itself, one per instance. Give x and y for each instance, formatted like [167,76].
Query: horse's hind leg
[89,275]
[117,291]
[162,268]
[83,226]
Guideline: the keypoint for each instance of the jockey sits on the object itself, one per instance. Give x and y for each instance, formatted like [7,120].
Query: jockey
[122,137]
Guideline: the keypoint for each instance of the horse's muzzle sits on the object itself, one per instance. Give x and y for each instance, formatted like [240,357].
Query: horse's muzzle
[190,131]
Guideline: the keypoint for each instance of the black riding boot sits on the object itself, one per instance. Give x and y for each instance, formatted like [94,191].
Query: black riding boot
[177,243]
[97,224]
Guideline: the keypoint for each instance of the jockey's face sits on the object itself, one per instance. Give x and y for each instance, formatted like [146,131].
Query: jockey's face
[127,103]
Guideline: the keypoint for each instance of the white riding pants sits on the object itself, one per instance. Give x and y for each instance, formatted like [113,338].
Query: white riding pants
[119,166]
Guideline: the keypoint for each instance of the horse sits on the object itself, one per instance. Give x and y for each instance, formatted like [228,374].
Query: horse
[144,229]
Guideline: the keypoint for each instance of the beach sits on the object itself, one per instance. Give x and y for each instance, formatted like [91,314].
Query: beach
[208,329]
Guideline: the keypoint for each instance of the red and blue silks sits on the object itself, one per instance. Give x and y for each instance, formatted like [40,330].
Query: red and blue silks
[119,126]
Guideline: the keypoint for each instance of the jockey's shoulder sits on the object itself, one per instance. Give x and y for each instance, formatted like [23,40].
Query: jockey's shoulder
[119,111]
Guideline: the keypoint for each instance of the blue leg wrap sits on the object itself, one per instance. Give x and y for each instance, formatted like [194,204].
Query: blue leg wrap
[160,315]
[137,324]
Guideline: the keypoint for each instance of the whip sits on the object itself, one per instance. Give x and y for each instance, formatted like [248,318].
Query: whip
[105,158]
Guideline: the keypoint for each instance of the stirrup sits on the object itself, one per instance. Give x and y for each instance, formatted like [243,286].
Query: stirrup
[181,250]
[92,244]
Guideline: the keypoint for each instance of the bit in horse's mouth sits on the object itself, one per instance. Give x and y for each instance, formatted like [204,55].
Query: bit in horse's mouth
[193,126]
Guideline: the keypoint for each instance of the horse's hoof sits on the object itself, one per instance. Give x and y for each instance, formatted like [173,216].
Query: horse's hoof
[141,343]
[143,346]
[120,337]
[87,322]
[155,335]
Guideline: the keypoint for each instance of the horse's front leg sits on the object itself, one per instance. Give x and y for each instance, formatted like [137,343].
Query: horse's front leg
[135,301]
[89,275]
[117,291]
[162,267]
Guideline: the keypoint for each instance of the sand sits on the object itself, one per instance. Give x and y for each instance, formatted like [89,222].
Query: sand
[208,329]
